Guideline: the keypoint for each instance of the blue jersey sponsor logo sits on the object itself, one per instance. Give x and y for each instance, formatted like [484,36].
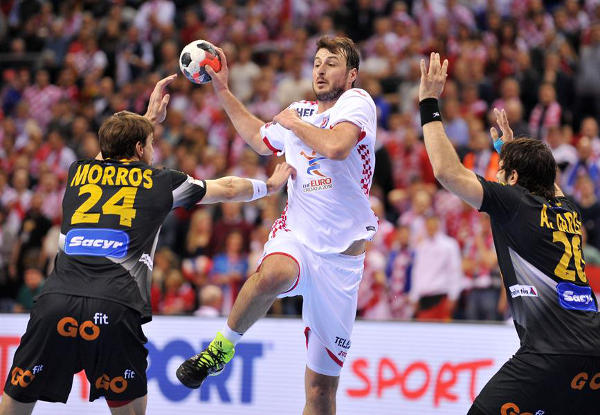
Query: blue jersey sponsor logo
[575,297]
[97,242]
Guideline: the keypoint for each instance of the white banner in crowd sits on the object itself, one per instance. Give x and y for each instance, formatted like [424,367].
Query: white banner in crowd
[392,368]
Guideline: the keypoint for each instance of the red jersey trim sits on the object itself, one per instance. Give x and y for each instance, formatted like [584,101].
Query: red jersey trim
[268,144]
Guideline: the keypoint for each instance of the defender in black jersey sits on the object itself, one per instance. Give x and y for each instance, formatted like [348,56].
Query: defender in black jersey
[90,312]
[537,235]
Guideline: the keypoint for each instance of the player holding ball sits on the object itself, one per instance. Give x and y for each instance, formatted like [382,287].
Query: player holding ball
[317,248]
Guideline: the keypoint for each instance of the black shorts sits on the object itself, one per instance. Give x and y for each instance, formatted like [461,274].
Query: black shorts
[66,334]
[543,384]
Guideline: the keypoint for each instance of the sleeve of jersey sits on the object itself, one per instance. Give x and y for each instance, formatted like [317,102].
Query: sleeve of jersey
[187,191]
[357,107]
[500,201]
[273,135]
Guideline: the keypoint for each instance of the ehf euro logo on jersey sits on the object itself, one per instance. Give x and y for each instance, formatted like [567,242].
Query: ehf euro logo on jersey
[324,182]
[324,122]
[313,163]
[575,297]
[97,242]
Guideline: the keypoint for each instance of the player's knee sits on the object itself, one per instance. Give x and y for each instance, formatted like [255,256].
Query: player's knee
[276,275]
[273,281]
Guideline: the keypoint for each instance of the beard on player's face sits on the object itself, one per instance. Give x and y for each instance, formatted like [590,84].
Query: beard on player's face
[333,93]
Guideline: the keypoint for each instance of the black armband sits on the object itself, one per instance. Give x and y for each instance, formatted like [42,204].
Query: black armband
[430,111]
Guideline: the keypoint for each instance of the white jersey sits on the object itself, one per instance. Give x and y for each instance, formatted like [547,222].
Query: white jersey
[328,201]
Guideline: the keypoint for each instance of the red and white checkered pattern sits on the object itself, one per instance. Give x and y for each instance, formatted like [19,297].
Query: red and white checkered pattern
[367,171]
[280,224]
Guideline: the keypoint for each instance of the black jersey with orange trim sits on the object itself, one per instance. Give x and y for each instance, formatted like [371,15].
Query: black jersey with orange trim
[538,243]
[112,214]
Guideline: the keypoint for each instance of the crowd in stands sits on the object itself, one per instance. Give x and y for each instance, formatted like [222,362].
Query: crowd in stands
[66,65]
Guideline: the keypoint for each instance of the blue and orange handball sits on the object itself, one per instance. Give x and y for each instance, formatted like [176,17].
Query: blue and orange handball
[194,57]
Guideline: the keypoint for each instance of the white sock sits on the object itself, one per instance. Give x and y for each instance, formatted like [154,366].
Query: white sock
[232,336]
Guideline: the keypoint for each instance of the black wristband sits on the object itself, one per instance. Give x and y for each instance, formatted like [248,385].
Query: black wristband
[430,111]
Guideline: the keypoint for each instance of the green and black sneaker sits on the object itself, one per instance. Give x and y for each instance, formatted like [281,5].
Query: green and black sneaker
[210,362]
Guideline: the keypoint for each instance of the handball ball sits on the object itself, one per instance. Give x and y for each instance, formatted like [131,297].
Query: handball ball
[194,57]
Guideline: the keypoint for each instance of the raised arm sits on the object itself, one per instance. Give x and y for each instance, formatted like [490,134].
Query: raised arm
[246,124]
[231,188]
[447,168]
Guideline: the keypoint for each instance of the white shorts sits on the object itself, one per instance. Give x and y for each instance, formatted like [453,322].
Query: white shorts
[328,284]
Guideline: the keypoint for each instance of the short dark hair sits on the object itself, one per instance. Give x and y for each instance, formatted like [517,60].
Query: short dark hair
[120,133]
[534,163]
[342,45]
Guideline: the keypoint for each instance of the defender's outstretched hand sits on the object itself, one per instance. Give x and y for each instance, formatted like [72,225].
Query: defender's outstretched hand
[502,121]
[279,177]
[432,81]
[219,79]
[159,99]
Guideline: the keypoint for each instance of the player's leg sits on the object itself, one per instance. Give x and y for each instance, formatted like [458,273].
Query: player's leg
[10,406]
[135,407]
[320,393]
[277,274]
[321,377]
[45,361]
[115,359]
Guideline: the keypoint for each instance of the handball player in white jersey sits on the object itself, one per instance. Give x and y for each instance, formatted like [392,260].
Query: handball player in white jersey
[316,249]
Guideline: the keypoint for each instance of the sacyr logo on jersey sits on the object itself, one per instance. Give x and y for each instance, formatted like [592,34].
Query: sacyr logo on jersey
[97,242]
[575,297]
[522,291]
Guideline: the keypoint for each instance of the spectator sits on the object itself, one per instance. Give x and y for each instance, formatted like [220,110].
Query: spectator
[41,97]
[179,296]
[373,301]
[243,75]
[399,274]
[480,265]
[211,300]
[589,128]
[32,286]
[480,158]
[514,113]
[589,206]
[546,114]
[456,127]
[588,77]
[436,274]
[586,165]
[564,153]
[230,270]
[231,221]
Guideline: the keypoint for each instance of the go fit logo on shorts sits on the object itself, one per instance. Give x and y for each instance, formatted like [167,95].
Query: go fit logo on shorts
[22,378]
[510,408]
[117,384]
[67,327]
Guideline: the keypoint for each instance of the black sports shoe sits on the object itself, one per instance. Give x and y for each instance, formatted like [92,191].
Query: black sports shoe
[210,362]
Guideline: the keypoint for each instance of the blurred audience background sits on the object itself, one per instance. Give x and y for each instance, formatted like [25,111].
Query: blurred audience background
[67,65]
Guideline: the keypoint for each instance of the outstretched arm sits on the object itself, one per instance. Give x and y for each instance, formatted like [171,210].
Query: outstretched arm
[231,188]
[246,124]
[447,168]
